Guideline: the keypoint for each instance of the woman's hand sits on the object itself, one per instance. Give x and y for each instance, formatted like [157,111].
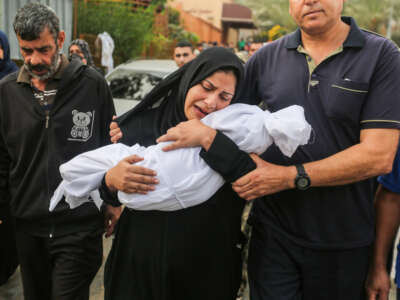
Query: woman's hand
[115,131]
[191,133]
[129,178]
[111,217]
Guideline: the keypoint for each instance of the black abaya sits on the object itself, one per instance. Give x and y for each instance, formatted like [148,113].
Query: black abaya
[194,253]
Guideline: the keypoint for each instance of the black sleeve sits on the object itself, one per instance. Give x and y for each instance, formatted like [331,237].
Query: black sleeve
[5,161]
[107,110]
[108,196]
[225,157]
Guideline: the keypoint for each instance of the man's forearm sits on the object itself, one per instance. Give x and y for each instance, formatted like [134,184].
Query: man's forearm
[373,156]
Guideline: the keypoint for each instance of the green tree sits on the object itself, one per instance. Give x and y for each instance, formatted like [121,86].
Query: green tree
[175,30]
[267,13]
[130,29]
[369,14]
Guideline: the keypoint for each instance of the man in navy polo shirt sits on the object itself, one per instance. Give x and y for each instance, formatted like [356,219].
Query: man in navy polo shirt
[387,205]
[313,223]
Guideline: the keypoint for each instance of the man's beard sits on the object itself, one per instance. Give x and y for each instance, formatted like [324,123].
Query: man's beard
[51,69]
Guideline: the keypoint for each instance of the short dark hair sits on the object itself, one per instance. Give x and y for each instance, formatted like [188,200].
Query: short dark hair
[183,44]
[32,19]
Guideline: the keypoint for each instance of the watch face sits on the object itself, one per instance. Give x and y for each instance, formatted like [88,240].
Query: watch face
[302,183]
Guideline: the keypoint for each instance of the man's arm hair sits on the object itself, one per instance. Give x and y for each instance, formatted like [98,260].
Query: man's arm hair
[371,157]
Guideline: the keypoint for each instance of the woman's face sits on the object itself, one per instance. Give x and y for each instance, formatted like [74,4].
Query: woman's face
[212,94]
[74,49]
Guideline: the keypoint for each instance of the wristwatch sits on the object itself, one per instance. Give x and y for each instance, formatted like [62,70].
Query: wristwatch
[302,180]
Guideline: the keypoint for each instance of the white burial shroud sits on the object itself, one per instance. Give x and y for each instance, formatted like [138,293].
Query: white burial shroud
[185,180]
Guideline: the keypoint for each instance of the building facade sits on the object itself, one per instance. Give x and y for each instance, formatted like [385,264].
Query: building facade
[8,9]
[223,21]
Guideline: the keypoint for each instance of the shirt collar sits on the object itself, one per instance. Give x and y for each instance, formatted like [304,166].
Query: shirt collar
[355,38]
[24,77]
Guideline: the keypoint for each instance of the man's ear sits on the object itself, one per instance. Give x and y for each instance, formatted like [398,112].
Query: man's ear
[61,39]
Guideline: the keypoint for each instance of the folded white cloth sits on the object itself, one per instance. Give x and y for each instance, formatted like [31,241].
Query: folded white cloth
[185,179]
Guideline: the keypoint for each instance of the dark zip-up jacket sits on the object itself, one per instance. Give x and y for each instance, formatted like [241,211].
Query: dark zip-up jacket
[33,146]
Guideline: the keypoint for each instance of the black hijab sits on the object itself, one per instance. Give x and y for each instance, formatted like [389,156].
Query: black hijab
[171,92]
[85,49]
[7,66]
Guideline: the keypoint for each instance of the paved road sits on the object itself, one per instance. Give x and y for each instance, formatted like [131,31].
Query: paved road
[97,290]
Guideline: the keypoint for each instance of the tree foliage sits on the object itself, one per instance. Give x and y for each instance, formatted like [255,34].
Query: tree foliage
[373,14]
[268,13]
[369,14]
[129,29]
[175,29]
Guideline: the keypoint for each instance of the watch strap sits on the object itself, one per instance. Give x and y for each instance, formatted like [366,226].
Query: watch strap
[301,170]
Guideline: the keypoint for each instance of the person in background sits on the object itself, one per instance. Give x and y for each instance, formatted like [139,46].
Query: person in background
[7,66]
[183,53]
[387,211]
[50,111]
[198,49]
[81,48]
[241,44]
[254,47]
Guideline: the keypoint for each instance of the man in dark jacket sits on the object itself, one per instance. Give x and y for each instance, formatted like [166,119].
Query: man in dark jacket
[50,111]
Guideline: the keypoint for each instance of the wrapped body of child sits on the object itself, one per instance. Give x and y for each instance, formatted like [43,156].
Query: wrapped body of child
[185,179]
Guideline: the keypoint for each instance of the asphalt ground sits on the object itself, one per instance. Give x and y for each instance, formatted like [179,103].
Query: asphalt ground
[13,291]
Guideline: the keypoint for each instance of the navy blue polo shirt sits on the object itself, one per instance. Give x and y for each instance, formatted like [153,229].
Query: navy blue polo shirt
[355,88]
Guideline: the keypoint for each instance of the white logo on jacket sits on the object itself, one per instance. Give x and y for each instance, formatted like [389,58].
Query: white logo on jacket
[83,126]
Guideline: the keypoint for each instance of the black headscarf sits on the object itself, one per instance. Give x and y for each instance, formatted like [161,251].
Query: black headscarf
[84,46]
[171,92]
[7,66]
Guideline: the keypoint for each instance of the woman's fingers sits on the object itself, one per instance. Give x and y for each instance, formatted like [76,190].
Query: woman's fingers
[172,146]
[130,178]
[191,133]
[138,176]
[171,135]
[138,188]
[115,131]
[131,159]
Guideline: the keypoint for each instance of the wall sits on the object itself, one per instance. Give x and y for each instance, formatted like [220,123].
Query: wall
[205,31]
[208,10]
[8,9]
